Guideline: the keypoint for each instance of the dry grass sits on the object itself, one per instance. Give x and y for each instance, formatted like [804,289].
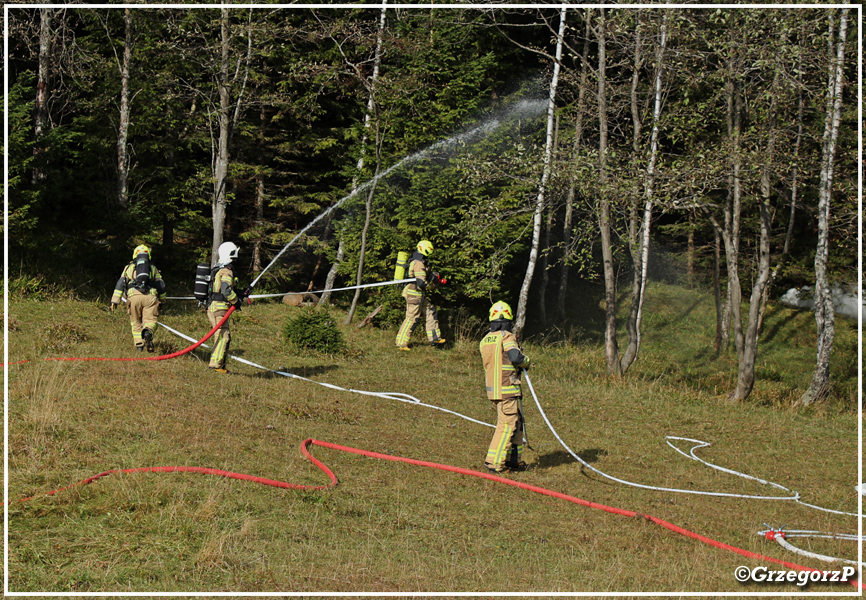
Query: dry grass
[390,527]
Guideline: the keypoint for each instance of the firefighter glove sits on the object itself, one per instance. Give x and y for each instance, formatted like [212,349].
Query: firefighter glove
[238,305]
[112,306]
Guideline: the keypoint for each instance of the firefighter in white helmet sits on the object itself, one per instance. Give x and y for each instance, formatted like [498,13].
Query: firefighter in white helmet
[144,289]
[503,360]
[221,296]
[417,305]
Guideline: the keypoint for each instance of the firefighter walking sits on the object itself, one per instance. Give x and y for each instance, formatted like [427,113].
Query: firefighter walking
[417,305]
[222,295]
[502,360]
[144,289]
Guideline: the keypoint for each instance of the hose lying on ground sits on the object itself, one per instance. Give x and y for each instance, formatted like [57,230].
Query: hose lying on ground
[532,488]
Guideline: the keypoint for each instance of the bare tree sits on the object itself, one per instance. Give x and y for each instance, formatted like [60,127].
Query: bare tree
[368,115]
[611,350]
[824,312]
[43,76]
[368,207]
[640,247]
[227,123]
[123,66]
[520,318]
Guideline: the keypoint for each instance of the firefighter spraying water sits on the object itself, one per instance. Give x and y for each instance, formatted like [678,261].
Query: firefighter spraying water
[418,305]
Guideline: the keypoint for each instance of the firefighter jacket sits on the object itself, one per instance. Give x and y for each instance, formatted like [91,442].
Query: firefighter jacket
[126,284]
[222,292]
[418,269]
[501,356]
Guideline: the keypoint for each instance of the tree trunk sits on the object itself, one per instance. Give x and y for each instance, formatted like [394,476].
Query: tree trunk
[221,166]
[749,353]
[368,115]
[731,231]
[368,210]
[123,126]
[332,272]
[569,201]
[793,209]
[825,317]
[717,290]
[520,319]
[642,265]
[611,351]
[40,108]
[260,196]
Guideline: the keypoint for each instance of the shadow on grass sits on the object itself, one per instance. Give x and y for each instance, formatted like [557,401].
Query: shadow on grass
[561,457]
[770,334]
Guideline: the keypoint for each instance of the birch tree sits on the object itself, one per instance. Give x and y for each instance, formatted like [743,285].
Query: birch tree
[640,247]
[824,311]
[43,76]
[520,318]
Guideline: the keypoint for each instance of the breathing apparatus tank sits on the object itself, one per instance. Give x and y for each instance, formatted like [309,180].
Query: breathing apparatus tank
[142,272]
[402,265]
[203,277]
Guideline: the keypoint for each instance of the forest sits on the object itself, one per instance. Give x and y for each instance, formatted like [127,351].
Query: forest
[550,154]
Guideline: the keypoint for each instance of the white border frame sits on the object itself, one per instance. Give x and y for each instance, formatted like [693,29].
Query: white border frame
[6,592]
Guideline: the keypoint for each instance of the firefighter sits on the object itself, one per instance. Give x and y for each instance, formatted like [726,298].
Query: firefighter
[222,296]
[417,305]
[503,360]
[144,289]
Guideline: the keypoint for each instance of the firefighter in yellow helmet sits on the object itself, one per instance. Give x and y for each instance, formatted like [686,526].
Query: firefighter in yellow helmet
[222,295]
[502,360]
[417,305]
[144,289]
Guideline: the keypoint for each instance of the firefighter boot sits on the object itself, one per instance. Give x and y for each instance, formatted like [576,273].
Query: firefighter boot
[147,336]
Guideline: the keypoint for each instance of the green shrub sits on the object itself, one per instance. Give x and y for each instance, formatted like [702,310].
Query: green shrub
[315,329]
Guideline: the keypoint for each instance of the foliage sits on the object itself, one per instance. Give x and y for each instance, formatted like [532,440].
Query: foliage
[315,329]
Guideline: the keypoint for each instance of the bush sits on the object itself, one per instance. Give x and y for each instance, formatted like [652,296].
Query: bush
[315,329]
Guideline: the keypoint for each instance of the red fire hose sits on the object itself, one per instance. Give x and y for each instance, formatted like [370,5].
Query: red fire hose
[539,490]
[164,356]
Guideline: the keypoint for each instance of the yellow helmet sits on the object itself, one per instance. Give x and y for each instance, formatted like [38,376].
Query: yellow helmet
[501,310]
[425,247]
[141,249]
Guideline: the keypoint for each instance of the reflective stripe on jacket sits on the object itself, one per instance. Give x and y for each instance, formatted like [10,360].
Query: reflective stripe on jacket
[500,374]
[418,270]
[222,290]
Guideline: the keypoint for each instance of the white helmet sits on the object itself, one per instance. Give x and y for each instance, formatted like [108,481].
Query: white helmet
[227,252]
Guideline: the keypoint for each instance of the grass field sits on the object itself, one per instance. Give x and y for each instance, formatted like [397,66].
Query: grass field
[392,527]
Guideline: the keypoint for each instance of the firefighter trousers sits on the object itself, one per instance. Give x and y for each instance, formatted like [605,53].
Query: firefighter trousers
[506,447]
[416,308]
[221,339]
[143,312]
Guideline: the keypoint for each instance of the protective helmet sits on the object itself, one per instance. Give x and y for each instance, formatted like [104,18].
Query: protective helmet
[425,247]
[227,252]
[501,310]
[141,249]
